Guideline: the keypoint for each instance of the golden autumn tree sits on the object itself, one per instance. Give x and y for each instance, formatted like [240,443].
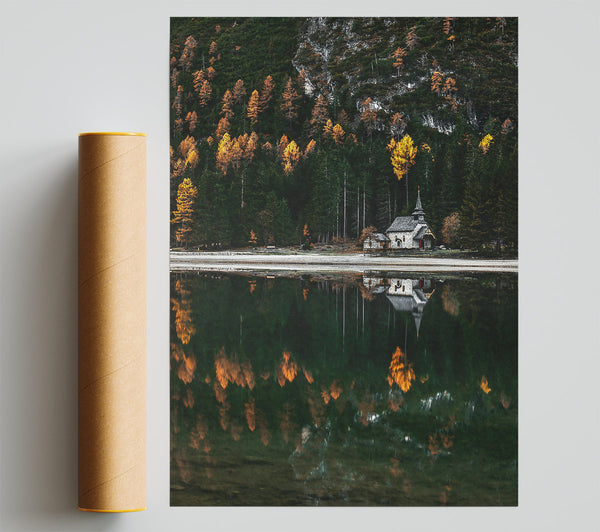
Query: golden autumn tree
[204,93]
[338,134]
[485,143]
[368,116]
[403,155]
[182,216]
[177,102]
[253,107]
[447,25]
[198,78]
[411,38]
[187,144]
[448,92]
[399,55]
[227,105]
[291,155]
[327,129]
[436,81]
[187,56]
[288,101]
[212,49]
[282,145]
[319,115]
[192,120]
[211,73]
[310,147]
[239,91]
[401,371]
[222,128]
[266,94]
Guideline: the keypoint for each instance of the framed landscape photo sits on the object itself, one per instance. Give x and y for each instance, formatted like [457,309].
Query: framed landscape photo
[343,261]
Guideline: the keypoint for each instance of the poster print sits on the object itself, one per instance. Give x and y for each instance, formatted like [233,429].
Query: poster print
[344,234]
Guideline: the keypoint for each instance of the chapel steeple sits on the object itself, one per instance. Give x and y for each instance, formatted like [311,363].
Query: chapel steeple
[419,213]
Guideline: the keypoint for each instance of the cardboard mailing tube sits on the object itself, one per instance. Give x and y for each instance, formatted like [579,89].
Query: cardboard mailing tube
[112,322]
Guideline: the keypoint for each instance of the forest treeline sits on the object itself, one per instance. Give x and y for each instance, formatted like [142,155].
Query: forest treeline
[285,131]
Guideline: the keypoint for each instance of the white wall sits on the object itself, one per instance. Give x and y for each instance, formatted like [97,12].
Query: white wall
[67,67]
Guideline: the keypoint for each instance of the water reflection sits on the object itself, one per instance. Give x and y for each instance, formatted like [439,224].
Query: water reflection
[343,390]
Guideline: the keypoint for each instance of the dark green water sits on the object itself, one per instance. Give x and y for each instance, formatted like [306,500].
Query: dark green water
[343,390]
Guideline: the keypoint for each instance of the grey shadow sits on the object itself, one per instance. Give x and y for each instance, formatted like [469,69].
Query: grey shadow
[38,375]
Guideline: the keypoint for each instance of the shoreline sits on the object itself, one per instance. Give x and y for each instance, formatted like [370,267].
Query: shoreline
[247,261]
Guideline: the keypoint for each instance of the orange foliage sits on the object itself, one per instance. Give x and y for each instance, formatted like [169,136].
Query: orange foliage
[401,372]
[335,390]
[229,370]
[184,325]
[250,414]
[308,376]
[188,400]
[266,94]
[192,119]
[186,369]
[338,134]
[369,115]
[239,91]
[287,370]
[310,147]
[484,385]
[253,108]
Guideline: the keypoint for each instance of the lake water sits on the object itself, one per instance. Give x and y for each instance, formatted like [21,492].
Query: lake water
[374,389]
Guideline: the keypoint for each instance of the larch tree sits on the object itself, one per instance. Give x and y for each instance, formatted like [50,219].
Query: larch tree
[187,56]
[397,125]
[291,155]
[485,143]
[227,105]
[192,120]
[411,38]
[253,108]
[198,78]
[239,91]
[447,25]
[319,115]
[204,93]
[436,81]
[177,102]
[222,128]
[186,194]
[399,55]
[338,134]
[368,116]
[402,158]
[288,102]
[211,73]
[327,129]
[266,94]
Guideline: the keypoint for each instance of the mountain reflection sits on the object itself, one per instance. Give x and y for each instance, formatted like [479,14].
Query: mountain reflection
[361,390]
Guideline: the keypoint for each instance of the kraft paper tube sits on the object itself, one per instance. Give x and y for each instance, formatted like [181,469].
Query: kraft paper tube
[112,322]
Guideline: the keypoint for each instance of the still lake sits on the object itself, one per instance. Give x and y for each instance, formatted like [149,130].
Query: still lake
[343,389]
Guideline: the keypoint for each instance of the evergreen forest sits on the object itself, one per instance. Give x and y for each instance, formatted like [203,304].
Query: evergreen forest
[287,131]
